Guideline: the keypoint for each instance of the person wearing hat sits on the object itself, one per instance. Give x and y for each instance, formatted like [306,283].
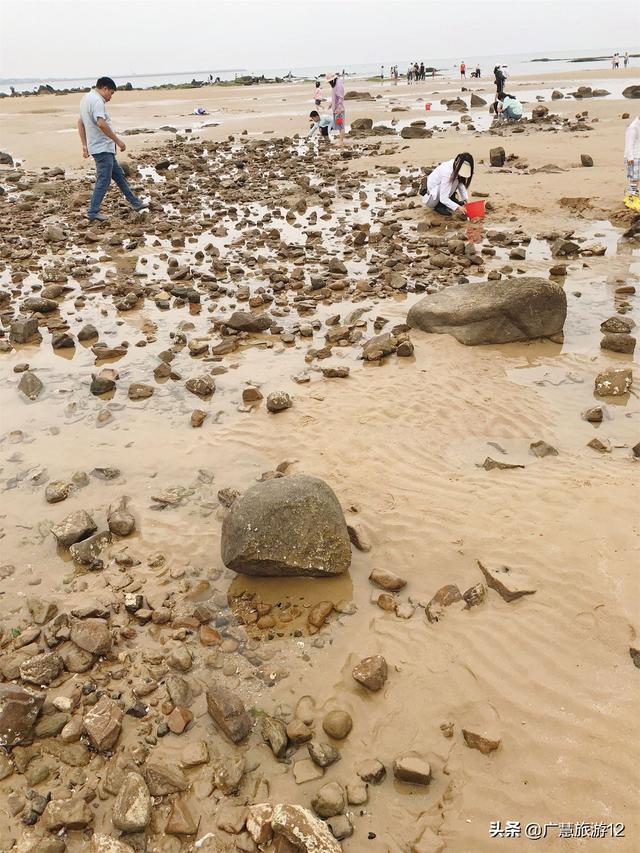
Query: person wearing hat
[337,104]
[446,187]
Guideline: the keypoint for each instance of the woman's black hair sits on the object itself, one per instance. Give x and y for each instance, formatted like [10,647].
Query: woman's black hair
[333,82]
[465,157]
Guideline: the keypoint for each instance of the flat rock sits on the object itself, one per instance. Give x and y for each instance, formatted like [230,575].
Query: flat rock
[92,635]
[289,526]
[103,723]
[74,528]
[614,382]
[494,312]
[386,579]
[164,777]
[305,831]
[245,321]
[42,669]
[73,813]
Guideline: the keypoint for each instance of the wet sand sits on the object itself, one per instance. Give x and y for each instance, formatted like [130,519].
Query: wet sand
[399,441]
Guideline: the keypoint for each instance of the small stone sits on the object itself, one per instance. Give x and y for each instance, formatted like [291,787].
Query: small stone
[42,669]
[197,418]
[371,672]
[228,711]
[278,401]
[274,734]
[444,597]
[298,732]
[412,768]
[30,385]
[73,813]
[541,449]
[329,800]
[56,491]
[624,343]
[475,594]
[181,820]
[599,445]
[180,658]
[319,614]
[485,744]
[121,520]
[497,156]
[323,754]
[586,160]
[140,391]
[337,724]
[179,719]
[614,382]
[357,793]
[386,579]
[340,827]
[201,386]
[594,415]
[92,635]
[164,777]
[371,770]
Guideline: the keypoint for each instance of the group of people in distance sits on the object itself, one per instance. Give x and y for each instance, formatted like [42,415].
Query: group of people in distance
[416,72]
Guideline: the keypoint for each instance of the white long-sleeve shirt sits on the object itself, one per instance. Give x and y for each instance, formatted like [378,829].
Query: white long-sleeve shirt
[632,140]
[441,185]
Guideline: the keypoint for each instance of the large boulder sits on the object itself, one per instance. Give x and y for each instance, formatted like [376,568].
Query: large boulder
[415,132]
[362,124]
[289,526]
[245,321]
[493,312]
[632,91]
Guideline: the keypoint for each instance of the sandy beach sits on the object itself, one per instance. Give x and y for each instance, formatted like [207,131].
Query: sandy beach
[245,218]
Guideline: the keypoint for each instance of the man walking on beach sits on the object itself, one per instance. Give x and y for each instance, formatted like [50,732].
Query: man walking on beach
[99,141]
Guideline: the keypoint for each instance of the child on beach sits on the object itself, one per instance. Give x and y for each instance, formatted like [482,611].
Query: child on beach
[321,123]
[632,160]
[317,95]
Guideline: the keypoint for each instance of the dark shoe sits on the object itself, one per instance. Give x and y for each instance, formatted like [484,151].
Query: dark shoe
[442,209]
[98,218]
[144,205]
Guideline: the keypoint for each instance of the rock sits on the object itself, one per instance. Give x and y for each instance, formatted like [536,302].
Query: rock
[444,597]
[416,132]
[556,95]
[103,382]
[23,331]
[178,720]
[201,386]
[594,415]
[228,711]
[362,124]
[386,579]
[300,827]
[197,418]
[108,844]
[357,793]
[618,325]
[558,270]
[179,657]
[541,449]
[318,615]
[323,754]
[475,740]
[30,385]
[337,724]
[164,777]
[56,491]
[53,234]
[245,321]
[371,672]
[618,343]
[496,584]
[614,382]
[274,734]
[40,305]
[539,112]
[132,807]
[89,549]
[586,160]
[477,101]
[632,91]
[599,445]
[92,635]
[74,528]
[494,312]
[289,526]
[41,610]
[19,709]
[379,346]
[475,595]
[103,723]
[5,159]
[298,732]
[42,669]
[278,401]
[497,156]
[120,520]
[140,391]
[73,813]
[371,770]
[412,768]
[635,450]
[181,820]
[87,333]
[329,800]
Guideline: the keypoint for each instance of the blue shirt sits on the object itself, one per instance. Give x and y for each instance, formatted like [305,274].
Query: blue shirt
[513,104]
[92,107]
[325,121]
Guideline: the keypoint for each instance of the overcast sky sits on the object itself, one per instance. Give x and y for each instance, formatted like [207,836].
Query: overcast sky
[67,38]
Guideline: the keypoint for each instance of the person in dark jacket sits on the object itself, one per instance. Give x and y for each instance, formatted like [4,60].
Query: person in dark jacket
[499,78]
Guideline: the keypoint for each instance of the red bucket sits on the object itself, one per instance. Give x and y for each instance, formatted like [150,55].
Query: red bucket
[475,209]
[427,106]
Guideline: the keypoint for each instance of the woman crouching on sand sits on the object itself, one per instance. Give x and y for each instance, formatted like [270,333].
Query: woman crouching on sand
[445,189]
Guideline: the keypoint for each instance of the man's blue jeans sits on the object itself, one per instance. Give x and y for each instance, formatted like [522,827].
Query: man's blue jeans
[108,168]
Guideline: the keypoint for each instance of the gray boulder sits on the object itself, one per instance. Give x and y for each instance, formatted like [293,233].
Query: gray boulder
[289,526]
[362,124]
[245,321]
[493,312]
[632,91]
[415,132]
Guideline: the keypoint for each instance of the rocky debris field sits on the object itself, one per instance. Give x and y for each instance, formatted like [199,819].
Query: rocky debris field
[133,716]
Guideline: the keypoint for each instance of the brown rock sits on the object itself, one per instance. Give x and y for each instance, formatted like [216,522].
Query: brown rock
[197,418]
[42,669]
[228,711]
[443,598]
[496,584]
[371,672]
[92,635]
[164,777]
[318,615]
[474,740]
[73,813]
[386,579]
[19,709]
[411,767]
[179,719]
[103,723]
[302,829]
[132,807]
[181,821]
[337,724]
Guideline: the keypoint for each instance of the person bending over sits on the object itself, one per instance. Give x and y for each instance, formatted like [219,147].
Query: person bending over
[446,189]
[100,142]
[321,123]
[509,107]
